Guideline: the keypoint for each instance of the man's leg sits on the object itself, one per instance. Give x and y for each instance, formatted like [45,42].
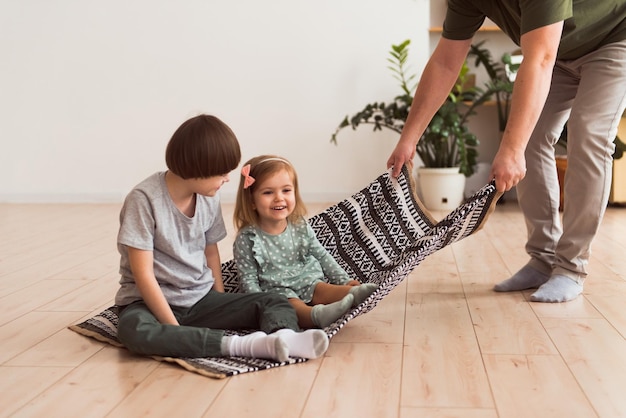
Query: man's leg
[538,192]
[592,127]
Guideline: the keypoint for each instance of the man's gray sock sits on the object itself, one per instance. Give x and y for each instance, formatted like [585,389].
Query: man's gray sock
[559,288]
[526,278]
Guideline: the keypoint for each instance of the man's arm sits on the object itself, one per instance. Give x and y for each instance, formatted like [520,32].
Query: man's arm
[532,84]
[438,78]
[142,266]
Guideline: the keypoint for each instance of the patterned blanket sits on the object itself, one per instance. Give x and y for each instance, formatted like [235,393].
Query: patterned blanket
[379,235]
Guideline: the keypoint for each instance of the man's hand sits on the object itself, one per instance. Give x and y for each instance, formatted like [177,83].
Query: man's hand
[402,154]
[508,169]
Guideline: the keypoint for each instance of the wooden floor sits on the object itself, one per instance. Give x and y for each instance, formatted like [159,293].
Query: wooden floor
[442,344]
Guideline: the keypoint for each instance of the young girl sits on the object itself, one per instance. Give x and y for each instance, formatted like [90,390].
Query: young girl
[276,251]
[171,291]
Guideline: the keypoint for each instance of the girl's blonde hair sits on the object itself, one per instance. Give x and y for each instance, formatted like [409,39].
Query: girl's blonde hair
[261,168]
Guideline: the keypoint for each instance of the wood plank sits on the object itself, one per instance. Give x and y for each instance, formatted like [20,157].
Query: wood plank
[30,329]
[534,386]
[385,324]
[88,297]
[357,380]
[29,299]
[65,348]
[185,395]
[92,389]
[504,322]
[596,355]
[249,395]
[442,364]
[409,412]
[18,385]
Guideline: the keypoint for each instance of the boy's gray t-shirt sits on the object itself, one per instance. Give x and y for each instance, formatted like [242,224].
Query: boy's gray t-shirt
[150,221]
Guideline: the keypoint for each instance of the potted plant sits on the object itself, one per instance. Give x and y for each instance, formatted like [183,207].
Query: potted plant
[499,87]
[447,142]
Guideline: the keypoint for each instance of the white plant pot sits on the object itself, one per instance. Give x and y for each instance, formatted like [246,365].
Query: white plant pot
[441,188]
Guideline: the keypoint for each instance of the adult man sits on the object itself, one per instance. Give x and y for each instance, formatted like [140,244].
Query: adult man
[574,70]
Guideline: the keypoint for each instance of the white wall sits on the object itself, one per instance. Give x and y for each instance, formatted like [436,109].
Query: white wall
[91,91]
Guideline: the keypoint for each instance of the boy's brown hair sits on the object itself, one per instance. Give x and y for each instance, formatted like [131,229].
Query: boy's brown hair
[202,147]
[261,168]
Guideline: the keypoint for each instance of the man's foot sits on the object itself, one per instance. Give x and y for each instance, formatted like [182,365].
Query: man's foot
[559,288]
[526,278]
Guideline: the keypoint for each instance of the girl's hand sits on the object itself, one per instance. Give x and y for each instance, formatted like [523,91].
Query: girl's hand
[353,283]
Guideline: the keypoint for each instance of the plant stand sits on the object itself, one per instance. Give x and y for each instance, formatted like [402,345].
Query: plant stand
[561,166]
[618,187]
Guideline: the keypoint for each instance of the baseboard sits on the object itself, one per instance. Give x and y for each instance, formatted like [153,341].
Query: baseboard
[17,198]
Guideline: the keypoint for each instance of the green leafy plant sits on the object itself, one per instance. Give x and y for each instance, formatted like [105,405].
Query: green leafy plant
[447,141]
[499,86]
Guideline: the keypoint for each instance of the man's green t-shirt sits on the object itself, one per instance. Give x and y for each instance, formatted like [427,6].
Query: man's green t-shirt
[589,24]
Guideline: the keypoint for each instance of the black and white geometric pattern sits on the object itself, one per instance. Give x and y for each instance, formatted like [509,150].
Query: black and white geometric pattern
[378,235]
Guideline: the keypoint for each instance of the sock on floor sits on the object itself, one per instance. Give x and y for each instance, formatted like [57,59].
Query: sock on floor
[310,344]
[257,345]
[559,288]
[362,292]
[526,278]
[324,315]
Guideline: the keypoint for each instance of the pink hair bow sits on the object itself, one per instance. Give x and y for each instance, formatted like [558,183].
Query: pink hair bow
[248,180]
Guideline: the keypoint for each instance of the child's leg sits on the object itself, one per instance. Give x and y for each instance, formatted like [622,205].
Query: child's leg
[257,345]
[279,315]
[303,312]
[362,292]
[142,333]
[321,316]
[263,311]
[328,293]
